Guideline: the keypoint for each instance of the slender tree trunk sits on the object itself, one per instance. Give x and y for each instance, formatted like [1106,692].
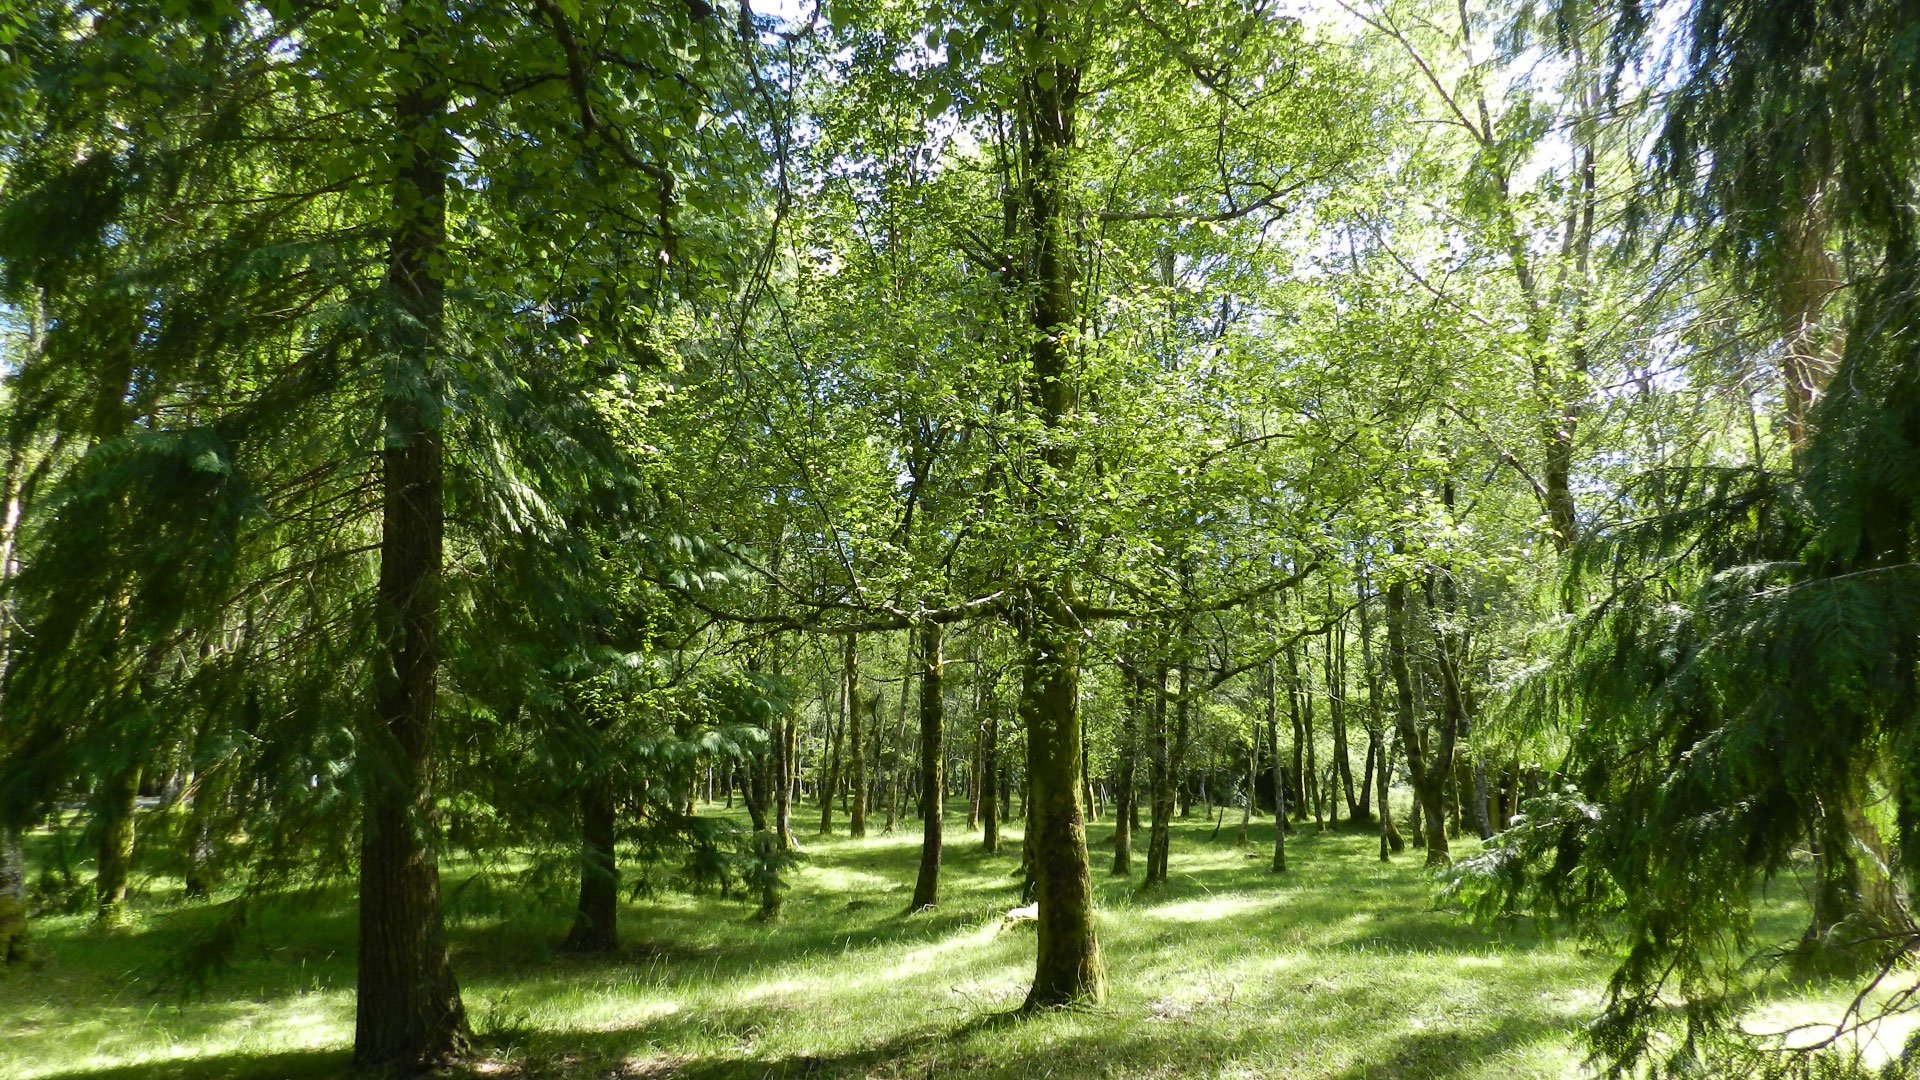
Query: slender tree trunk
[14,931]
[898,771]
[1303,689]
[1279,865]
[926,890]
[989,767]
[1296,779]
[1429,778]
[1123,799]
[857,782]
[1253,782]
[785,733]
[407,1009]
[1160,779]
[830,780]
[1390,840]
[1337,712]
[759,792]
[973,773]
[1091,803]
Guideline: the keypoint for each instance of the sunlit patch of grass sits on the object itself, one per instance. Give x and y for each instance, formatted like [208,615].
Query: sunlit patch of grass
[1341,968]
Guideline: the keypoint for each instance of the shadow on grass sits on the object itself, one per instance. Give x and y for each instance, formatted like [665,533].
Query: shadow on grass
[727,987]
[300,1065]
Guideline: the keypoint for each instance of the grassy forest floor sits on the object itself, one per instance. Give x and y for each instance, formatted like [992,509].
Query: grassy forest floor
[1343,968]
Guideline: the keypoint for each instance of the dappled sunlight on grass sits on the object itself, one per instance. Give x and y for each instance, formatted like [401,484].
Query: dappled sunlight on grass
[1341,968]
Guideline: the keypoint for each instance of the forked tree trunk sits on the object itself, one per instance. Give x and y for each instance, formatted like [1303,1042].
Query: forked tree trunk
[407,1006]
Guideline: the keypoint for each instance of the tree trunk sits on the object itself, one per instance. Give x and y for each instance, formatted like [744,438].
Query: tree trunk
[209,793]
[1337,713]
[1124,795]
[1857,907]
[1428,778]
[13,900]
[1160,780]
[116,804]
[408,1012]
[989,768]
[785,734]
[898,771]
[1253,782]
[857,763]
[1310,779]
[1390,840]
[596,918]
[1067,967]
[926,890]
[830,774]
[1279,865]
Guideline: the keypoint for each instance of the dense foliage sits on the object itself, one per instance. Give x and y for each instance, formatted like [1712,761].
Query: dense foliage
[443,427]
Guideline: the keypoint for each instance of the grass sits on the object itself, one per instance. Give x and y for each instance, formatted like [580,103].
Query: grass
[1340,969]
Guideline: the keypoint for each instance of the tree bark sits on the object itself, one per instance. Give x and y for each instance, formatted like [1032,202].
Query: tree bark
[1160,778]
[1429,778]
[116,804]
[408,1012]
[596,917]
[1279,865]
[1067,965]
[1123,809]
[1337,713]
[926,889]
[857,764]
[989,767]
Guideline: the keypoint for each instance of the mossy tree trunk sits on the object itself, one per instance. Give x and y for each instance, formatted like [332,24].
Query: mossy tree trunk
[115,803]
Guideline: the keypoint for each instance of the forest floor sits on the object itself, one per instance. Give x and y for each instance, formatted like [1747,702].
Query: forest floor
[1342,968]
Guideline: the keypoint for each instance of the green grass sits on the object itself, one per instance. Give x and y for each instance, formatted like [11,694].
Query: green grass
[1341,968]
